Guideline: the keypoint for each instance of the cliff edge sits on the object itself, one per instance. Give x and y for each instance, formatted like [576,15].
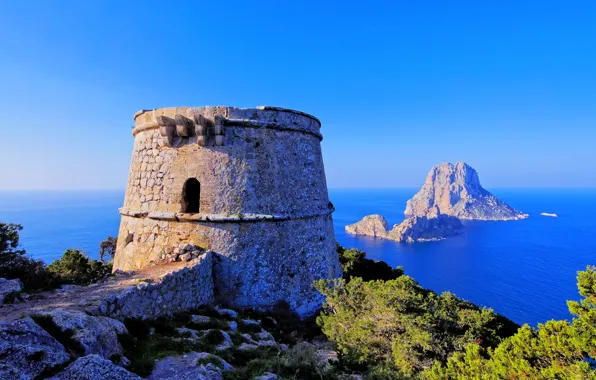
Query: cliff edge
[455,190]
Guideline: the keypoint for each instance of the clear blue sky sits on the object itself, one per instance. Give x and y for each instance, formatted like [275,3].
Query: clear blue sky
[507,86]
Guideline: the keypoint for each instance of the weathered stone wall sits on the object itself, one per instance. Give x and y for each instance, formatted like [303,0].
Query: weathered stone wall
[264,206]
[182,290]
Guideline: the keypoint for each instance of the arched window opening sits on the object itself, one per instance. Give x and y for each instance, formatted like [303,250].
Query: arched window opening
[191,196]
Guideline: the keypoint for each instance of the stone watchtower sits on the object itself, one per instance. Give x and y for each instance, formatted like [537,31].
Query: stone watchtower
[248,184]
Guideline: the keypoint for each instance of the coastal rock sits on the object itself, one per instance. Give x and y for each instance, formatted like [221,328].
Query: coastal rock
[422,228]
[96,335]
[455,190]
[371,225]
[94,367]
[9,286]
[435,226]
[27,350]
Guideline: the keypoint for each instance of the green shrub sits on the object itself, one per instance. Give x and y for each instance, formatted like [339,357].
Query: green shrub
[14,263]
[555,350]
[355,264]
[74,267]
[403,323]
[300,363]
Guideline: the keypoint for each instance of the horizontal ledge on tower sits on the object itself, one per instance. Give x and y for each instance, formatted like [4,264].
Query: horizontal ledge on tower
[219,218]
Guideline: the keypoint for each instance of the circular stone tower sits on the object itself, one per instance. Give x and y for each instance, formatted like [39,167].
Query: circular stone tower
[248,184]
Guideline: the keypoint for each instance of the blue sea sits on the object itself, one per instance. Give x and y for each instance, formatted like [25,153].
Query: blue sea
[523,269]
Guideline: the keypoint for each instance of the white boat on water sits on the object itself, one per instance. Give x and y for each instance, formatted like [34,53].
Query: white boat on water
[549,214]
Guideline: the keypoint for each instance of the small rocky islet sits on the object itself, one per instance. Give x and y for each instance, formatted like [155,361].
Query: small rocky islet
[451,193]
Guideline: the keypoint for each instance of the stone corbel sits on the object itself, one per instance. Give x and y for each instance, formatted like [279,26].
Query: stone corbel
[219,130]
[203,129]
[167,127]
[184,126]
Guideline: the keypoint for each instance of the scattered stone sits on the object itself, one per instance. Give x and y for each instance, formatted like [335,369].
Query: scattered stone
[200,319]
[185,257]
[233,325]
[188,247]
[227,342]
[96,335]
[27,350]
[124,362]
[186,367]
[228,313]
[250,322]
[264,335]
[9,286]
[187,333]
[94,367]
[267,376]
[247,347]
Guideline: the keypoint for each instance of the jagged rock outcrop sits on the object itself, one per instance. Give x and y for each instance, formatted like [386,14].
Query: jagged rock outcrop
[94,367]
[455,190]
[95,335]
[27,350]
[9,286]
[413,229]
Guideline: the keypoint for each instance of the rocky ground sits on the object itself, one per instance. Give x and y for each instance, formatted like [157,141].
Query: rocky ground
[208,343]
[80,298]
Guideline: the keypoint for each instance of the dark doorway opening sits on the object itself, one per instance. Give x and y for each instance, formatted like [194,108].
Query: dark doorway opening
[192,196]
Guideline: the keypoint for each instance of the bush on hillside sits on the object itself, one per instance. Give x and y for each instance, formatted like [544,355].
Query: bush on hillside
[14,263]
[74,267]
[355,264]
[400,322]
[555,350]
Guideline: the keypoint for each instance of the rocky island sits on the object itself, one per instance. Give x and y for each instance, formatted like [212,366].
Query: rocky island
[413,229]
[455,190]
[450,193]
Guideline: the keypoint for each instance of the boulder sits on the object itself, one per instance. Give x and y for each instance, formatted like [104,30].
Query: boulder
[267,376]
[9,286]
[94,367]
[456,191]
[228,313]
[96,335]
[27,350]
[192,366]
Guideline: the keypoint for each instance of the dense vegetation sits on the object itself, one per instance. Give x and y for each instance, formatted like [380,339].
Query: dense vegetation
[396,329]
[74,267]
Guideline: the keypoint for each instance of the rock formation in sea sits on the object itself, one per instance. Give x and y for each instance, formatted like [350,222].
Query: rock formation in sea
[455,190]
[413,229]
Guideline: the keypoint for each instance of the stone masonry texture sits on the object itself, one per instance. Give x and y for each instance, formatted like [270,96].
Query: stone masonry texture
[264,208]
